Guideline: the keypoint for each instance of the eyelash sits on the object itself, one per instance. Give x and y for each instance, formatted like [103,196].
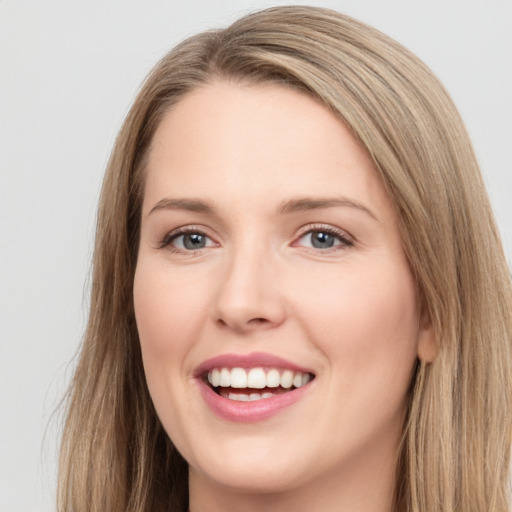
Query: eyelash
[168,239]
[341,236]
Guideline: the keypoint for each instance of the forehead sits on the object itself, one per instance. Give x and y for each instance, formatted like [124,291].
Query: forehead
[227,140]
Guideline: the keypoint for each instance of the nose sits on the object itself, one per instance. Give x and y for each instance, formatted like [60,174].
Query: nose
[249,296]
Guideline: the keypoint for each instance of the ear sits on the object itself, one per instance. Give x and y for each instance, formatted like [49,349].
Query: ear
[427,347]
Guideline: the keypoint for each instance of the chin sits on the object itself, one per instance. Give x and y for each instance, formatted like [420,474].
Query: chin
[252,477]
[252,467]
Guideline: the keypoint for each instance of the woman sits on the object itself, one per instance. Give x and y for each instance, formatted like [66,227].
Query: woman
[299,296]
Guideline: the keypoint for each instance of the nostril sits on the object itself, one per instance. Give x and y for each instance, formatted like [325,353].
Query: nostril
[221,322]
[257,323]
[247,325]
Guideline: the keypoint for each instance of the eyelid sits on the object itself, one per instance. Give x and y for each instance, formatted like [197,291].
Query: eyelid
[166,241]
[346,239]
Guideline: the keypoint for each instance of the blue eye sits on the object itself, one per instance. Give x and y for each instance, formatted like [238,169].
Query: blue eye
[191,241]
[324,239]
[321,240]
[187,241]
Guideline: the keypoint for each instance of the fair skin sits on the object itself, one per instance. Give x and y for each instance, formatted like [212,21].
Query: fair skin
[289,247]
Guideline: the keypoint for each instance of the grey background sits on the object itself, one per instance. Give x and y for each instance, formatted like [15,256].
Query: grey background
[68,72]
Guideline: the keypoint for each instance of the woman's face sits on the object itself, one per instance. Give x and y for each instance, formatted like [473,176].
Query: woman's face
[270,256]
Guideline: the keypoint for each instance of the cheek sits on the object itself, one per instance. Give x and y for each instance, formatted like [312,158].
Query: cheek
[366,323]
[168,310]
[164,306]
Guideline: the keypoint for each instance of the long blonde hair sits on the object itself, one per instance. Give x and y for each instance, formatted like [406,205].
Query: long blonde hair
[115,455]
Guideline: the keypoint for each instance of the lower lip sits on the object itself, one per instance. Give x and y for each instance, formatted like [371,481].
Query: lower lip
[253,411]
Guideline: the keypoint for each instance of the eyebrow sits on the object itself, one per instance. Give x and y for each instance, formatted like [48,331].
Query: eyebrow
[308,203]
[191,205]
[291,206]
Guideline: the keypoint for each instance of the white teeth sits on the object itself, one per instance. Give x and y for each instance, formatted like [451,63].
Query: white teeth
[256,378]
[287,379]
[214,377]
[273,378]
[225,378]
[297,380]
[239,397]
[238,378]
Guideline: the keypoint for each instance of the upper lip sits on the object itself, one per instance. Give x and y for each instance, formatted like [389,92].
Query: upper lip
[252,360]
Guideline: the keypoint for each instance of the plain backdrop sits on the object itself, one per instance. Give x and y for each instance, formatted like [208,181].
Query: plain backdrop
[68,73]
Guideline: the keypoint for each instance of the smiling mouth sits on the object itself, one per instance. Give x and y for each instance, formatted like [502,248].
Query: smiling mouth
[246,385]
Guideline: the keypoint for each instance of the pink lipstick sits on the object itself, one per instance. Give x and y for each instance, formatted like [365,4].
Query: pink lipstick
[253,387]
